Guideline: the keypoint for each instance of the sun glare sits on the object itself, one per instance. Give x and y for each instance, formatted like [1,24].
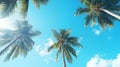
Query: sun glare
[6,23]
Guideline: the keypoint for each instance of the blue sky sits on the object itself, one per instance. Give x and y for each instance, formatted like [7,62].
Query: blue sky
[101,47]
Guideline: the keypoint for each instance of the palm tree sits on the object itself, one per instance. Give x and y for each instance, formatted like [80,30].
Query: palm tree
[18,42]
[64,45]
[104,11]
[8,6]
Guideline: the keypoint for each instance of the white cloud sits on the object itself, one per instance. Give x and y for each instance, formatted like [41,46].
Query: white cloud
[42,51]
[96,31]
[8,22]
[116,62]
[1,33]
[77,52]
[97,61]
[50,43]
[80,39]
[5,24]
[49,60]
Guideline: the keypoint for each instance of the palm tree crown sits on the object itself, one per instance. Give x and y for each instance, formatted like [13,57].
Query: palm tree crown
[100,10]
[65,44]
[18,42]
[8,6]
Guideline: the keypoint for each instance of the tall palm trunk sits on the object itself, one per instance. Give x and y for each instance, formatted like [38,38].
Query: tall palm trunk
[63,56]
[110,13]
[7,47]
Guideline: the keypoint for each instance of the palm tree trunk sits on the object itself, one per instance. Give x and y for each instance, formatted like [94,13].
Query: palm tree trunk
[63,57]
[110,13]
[7,47]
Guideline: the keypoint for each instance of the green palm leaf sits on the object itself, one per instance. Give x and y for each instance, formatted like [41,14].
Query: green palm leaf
[55,45]
[71,50]
[10,53]
[39,2]
[24,7]
[7,7]
[56,34]
[73,41]
[81,11]
[58,53]
[67,54]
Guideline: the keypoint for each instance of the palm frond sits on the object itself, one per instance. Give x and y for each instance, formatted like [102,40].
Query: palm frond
[67,33]
[16,53]
[55,45]
[39,2]
[10,53]
[114,8]
[24,50]
[74,41]
[50,48]
[93,22]
[58,53]
[7,7]
[35,33]
[7,47]
[88,19]
[100,21]
[5,42]
[67,54]
[56,34]
[24,7]
[112,2]
[107,20]
[81,11]
[28,44]
[86,2]
[62,32]
[71,50]
[28,39]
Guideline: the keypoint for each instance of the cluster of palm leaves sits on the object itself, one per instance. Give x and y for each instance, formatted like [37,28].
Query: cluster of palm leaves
[17,42]
[102,11]
[8,6]
[64,44]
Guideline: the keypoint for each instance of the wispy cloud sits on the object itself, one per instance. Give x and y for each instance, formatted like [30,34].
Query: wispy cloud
[49,59]
[77,52]
[1,33]
[42,50]
[97,61]
[5,24]
[96,31]
[80,39]
[8,22]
